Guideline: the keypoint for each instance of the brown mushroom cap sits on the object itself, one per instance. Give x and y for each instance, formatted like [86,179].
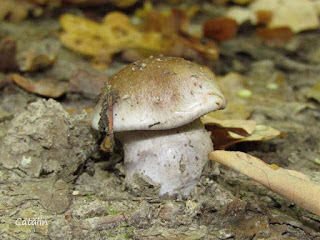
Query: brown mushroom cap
[160,93]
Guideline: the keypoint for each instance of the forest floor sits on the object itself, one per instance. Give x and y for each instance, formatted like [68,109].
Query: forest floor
[88,199]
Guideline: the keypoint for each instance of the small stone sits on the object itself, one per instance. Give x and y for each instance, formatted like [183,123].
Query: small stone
[25,161]
[125,97]
[75,193]
[272,86]
[245,93]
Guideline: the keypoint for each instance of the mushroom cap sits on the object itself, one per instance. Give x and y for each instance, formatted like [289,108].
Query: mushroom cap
[160,93]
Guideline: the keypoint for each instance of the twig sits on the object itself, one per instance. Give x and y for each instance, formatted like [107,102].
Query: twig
[290,184]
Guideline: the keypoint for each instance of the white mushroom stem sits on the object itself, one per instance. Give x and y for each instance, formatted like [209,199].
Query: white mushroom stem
[171,159]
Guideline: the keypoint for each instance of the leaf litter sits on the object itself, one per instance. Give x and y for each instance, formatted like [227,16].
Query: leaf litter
[262,105]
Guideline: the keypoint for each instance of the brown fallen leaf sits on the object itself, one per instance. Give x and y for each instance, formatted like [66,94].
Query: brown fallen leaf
[239,14]
[225,133]
[175,22]
[103,40]
[221,28]
[261,133]
[207,50]
[48,88]
[163,34]
[298,15]
[176,37]
[118,3]
[277,37]
[246,127]
[263,16]
[314,93]
[224,138]
[8,50]
[292,185]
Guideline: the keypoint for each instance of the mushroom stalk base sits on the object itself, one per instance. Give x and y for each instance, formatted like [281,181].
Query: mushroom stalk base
[169,161]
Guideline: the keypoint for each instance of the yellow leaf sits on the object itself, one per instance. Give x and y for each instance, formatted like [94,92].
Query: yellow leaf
[248,126]
[262,133]
[113,35]
[232,111]
[228,132]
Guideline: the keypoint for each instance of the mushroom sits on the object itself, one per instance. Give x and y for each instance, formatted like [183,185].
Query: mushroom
[156,116]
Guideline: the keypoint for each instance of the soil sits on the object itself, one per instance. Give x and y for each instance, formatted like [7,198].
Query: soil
[51,166]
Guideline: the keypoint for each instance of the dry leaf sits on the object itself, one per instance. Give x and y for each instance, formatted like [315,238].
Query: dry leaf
[292,185]
[176,21]
[48,88]
[277,37]
[298,15]
[113,35]
[239,14]
[118,3]
[222,138]
[261,133]
[314,93]
[316,5]
[263,16]
[177,39]
[221,28]
[208,49]
[8,50]
[233,111]
[225,133]
[116,34]
[247,127]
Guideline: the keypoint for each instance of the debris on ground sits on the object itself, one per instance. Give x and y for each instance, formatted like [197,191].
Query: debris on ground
[45,140]
[57,55]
